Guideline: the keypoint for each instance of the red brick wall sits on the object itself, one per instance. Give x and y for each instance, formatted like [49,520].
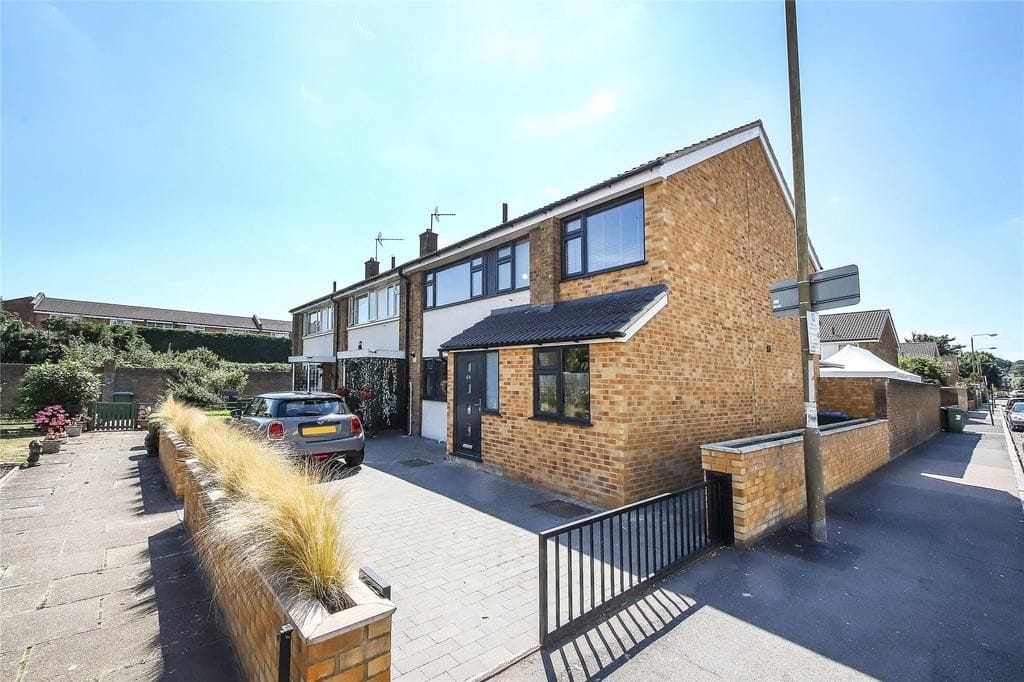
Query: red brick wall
[913,413]
[859,397]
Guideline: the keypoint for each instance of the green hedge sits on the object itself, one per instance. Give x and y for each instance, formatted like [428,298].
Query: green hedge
[231,347]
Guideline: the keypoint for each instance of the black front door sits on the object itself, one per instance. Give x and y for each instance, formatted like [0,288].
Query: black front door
[469,396]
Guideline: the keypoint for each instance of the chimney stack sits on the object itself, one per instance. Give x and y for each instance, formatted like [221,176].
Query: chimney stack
[428,242]
[392,262]
[334,286]
[504,212]
[372,268]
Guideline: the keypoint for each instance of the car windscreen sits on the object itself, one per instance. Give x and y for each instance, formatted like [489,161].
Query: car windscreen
[311,407]
[1018,407]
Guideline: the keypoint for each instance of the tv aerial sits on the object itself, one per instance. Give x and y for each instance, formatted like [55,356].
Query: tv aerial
[379,240]
[435,217]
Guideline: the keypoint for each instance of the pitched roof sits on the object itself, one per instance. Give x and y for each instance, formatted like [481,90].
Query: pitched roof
[68,306]
[929,348]
[605,316]
[861,325]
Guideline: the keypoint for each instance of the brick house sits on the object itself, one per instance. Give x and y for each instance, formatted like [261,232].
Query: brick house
[591,345]
[871,330]
[34,310]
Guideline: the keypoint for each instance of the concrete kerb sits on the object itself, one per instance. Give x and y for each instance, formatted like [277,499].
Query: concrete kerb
[1016,462]
[10,474]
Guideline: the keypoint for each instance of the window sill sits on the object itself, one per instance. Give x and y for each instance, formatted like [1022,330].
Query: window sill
[493,413]
[313,336]
[374,323]
[594,273]
[435,400]
[561,420]
[508,292]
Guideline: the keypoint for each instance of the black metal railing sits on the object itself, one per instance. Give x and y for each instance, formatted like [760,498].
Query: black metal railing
[594,564]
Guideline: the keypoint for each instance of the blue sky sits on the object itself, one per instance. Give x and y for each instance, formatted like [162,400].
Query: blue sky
[238,157]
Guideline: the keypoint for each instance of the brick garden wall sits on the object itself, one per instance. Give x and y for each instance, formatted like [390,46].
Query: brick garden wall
[172,452]
[359,648]
[913,413]
[768,477]
[714,364]
[859,397]
[949,395]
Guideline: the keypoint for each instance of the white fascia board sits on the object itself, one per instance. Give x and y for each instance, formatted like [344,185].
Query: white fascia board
[518,229]
[369,286]
[312,306]
[309,358]
[644,317]
[624,186]
[360,354]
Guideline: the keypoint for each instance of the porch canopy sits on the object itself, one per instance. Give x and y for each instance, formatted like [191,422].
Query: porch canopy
[605,317]
[852,361]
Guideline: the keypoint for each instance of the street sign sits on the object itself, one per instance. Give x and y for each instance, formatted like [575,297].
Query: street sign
[835,288]
[813,333]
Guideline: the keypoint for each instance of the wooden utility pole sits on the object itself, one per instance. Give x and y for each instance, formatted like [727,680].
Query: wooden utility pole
[814,470]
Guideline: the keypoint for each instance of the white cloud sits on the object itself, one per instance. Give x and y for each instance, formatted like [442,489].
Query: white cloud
[310,96]
[601,104]
[367,33]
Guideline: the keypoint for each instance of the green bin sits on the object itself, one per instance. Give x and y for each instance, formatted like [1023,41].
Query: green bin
[955,418]
[124,397]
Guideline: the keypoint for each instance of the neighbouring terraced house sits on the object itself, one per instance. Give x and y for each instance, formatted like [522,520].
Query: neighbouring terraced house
[591,345]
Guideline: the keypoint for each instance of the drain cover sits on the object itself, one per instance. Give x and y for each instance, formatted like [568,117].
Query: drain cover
[567,510]
[415,462]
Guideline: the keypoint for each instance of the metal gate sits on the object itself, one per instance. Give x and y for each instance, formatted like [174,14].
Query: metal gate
[115,416]
[597,563]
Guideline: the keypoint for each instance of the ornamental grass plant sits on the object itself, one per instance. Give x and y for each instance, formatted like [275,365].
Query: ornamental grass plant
[275,519]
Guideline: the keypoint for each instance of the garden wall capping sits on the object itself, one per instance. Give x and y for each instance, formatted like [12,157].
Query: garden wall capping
[351,644]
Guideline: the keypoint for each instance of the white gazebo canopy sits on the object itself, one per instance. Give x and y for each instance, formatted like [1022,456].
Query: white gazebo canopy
[852,361]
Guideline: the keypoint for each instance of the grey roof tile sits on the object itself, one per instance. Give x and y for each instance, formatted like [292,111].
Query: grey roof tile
[70,306]
[604,316]
[928,348]
[860,325]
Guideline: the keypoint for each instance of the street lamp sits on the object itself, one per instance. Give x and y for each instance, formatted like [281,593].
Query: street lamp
[974,355]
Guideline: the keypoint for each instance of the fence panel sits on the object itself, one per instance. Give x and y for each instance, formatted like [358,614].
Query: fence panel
[115,416]
[589,566]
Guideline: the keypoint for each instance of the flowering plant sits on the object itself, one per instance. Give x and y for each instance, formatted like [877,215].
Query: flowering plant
[365,394]
[343,391]
[52,419]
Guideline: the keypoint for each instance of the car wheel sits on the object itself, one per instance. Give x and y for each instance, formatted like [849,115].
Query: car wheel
[354,459]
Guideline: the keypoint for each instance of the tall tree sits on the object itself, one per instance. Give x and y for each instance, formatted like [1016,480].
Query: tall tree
[944,342]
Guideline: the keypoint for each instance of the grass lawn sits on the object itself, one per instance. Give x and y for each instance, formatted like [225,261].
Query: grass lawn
[15,450]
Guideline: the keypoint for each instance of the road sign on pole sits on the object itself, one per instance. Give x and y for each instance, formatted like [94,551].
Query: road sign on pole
[835,288]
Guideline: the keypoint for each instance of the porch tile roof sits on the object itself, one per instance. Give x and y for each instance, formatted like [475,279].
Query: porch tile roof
[859,325]
[605,316]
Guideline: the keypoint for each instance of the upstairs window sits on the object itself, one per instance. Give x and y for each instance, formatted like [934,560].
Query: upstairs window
[379,304]
[318,321]
[604,238]
[493,272]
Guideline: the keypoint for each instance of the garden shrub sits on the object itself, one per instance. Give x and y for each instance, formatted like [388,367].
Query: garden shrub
[21,343]
[231,347]
[69,384]
[200,377]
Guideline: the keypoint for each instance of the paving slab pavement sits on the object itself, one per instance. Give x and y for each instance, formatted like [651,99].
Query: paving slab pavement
[459,547]
[923,579]
[97,578]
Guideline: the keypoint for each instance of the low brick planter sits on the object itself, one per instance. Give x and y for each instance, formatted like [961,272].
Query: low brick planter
[768,471]
[351,644]
[172,453]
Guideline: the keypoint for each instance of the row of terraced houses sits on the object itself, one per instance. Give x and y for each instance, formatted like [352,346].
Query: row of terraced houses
[590,345]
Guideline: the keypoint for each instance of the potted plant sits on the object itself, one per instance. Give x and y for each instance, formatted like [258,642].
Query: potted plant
[51,443]
[52,419]
[74,427]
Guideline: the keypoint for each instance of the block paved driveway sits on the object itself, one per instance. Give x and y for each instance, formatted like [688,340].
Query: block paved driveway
[459,547]
[97,580]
